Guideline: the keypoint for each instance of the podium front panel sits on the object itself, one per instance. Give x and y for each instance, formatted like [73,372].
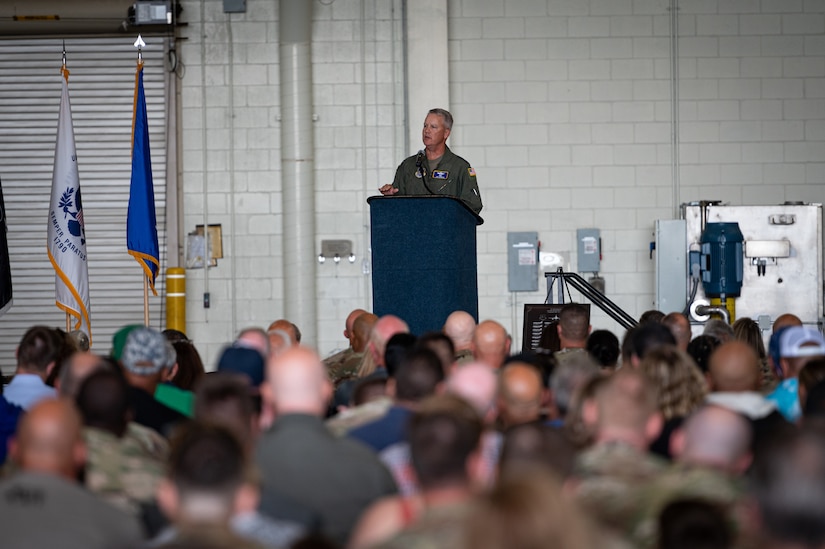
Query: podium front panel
[424,261]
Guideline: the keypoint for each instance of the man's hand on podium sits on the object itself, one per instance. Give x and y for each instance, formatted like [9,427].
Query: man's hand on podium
[388,190]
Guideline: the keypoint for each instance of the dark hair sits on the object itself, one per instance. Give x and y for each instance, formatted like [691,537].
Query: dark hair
[397,348]
[66,346]
[692,524]
[418,375]
[442,434]
[441,344]
[224,398]
[536,443]
[651,315]
[574,320]
[366,389]
[39,347]
[789,485]
[603,345]
[206,457]
[644,337]
[700,348]
[190,365]
[103,401]
[173,336]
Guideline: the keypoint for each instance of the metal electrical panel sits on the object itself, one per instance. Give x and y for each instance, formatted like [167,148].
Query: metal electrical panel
[522,262]
[590,250]
[234,6]
[671,265]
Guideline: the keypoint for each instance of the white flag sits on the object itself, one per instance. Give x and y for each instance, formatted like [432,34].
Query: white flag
[67,234]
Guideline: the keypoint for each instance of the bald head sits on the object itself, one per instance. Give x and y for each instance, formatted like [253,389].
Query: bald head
[715,437]
[679,326]
[254,338]
[288,327]
[386,327]
[460,327]
[279,341]
[297,382]
[476,383]
[520,393]
[491,344]
[360,332]
[49,439]
[734,367]
[350,321]
[75,369]
[785,321]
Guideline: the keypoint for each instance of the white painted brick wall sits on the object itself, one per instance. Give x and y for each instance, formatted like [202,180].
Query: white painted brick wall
[562,106]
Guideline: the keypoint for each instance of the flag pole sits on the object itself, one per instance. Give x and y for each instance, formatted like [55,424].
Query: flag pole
[65,72]
[139,43]
[145,301]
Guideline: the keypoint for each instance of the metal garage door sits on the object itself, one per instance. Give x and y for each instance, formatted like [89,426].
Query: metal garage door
[101,87]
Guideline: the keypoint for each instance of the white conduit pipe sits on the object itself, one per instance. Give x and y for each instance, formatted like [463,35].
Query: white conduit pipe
[675,166]
[298,165]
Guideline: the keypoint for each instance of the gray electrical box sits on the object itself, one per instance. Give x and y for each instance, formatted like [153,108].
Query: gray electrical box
[590,250]
[523,262]
[671,265]
[234,6]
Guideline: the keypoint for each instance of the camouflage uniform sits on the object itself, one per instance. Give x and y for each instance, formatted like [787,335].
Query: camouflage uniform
[348,369]
[334,362]
[565,354]
[611,478]
[682,481]
[464,356]
[205,536]
[360,415]
[125,471]
[439,527]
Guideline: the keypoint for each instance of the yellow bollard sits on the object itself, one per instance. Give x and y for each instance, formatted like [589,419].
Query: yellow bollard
[176,299]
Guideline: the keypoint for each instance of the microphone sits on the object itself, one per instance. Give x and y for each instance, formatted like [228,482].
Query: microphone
[419,159]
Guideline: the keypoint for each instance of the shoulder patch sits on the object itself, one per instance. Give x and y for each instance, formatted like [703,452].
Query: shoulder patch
[471,171]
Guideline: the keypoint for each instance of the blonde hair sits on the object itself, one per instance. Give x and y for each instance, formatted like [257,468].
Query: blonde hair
[680,383]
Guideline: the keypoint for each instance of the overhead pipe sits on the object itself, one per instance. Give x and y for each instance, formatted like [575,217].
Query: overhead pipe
[297,165]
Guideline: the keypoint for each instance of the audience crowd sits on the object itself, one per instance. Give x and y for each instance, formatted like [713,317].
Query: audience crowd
[677,436]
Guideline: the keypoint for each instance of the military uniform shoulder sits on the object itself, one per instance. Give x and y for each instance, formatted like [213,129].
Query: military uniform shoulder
[455,158]
[616,459]
[464,356]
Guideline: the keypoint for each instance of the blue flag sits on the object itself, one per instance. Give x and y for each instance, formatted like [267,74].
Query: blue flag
[141,226]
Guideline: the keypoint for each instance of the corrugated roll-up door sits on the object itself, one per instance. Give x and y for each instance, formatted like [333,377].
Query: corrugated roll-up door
[101,88]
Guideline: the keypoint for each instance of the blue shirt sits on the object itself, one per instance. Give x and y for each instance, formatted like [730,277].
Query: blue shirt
[386,431]
[786,397]
[26,390]
[9,414]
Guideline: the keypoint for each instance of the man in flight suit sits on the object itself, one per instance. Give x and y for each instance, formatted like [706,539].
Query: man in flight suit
[435,170]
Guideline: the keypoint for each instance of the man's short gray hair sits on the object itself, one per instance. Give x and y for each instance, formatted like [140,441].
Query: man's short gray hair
[445,115]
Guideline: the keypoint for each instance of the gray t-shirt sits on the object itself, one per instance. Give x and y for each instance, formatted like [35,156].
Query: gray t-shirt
[46,511]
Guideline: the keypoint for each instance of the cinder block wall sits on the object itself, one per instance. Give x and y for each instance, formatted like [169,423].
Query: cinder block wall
[562,106]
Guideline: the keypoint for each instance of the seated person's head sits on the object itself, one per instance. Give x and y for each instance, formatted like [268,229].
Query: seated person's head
[207,478]
[444,436]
